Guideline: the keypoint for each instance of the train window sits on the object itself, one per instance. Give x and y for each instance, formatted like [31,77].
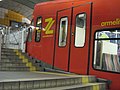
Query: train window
[107,50]
[30,30]
[63,31]
[80,30]
[38,29]
[30,34]
[32,23]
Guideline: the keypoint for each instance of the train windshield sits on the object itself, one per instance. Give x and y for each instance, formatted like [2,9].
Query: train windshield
[107,50]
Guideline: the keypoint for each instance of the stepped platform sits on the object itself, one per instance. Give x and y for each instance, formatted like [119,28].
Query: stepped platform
[46,81]
[15,60]
[15,74]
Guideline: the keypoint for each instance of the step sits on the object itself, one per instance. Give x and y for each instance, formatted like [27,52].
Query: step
[3,56]
[18,64]
[10,60]
[6,53]
[11,64]
[14,67]
[20,68]
[89,86]
[10,67]
[7,50]
[9,56]
[43,80]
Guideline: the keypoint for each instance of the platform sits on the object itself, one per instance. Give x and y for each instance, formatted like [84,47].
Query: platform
[46,80]
[13,76]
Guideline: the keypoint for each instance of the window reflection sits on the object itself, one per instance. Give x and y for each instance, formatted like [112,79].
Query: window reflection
[38,29]
[80,30]
[63,31]
[107,50]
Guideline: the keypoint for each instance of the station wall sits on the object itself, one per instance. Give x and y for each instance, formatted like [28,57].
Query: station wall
[7,15]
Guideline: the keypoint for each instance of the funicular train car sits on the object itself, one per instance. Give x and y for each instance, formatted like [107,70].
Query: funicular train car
[80,36]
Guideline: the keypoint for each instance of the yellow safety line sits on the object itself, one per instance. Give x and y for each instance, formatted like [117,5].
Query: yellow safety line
[96,87]
[58,74]
[25,60]
[85,80]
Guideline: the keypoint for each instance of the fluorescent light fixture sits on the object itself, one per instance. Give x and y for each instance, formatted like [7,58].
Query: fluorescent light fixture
[0,0]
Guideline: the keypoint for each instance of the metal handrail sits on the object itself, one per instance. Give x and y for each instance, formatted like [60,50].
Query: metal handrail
[16,38]
[7,38]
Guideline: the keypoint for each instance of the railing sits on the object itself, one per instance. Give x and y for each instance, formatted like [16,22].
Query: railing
[15,39]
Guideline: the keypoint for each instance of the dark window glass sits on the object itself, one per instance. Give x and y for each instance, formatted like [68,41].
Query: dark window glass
[38,29]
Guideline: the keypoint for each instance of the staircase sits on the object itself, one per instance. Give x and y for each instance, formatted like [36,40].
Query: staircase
[12,61]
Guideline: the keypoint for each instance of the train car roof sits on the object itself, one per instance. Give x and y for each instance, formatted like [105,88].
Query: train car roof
[52,6]
[58,2]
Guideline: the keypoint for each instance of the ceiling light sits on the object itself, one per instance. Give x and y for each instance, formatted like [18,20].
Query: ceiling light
[0,0]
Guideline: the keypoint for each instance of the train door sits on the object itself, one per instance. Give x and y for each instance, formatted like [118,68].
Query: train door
[62,39]
[80,39]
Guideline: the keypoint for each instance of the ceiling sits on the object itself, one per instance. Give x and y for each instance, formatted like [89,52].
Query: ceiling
[24,7]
